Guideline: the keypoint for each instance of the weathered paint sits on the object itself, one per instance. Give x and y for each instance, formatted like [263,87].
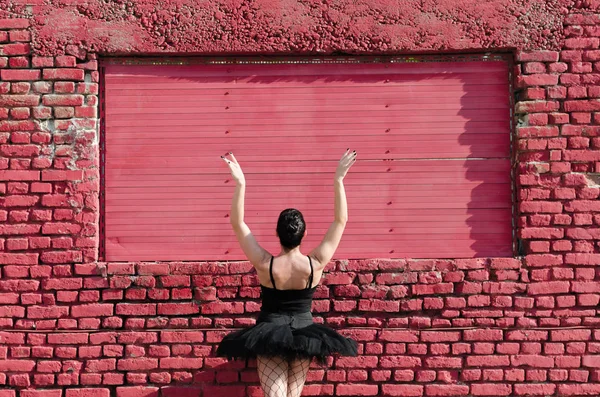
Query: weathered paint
[283,27]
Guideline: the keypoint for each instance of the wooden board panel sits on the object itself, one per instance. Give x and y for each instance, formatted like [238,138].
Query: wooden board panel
[432,181]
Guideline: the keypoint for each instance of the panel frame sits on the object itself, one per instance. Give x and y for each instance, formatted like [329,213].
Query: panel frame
[506,57]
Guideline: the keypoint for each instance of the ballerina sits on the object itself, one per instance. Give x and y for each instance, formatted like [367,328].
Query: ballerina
[285,339]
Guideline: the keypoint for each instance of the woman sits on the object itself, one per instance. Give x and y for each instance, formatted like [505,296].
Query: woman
[285,339]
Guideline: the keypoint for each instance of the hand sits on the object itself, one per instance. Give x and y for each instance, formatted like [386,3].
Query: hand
[345,163]
[236,170]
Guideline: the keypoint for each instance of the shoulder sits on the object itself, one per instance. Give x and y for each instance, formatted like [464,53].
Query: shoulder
[264,263]
[315,262]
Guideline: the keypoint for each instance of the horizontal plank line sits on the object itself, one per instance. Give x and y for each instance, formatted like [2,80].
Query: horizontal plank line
[315,232]
[149,84]
[238,136]
[473,136]
[215,96]
[358,213]
[457,110]
[122,205]
[260,123]
[360,126]
[257,223]
[337,80]
[256,197]
[184,108]
[332,69]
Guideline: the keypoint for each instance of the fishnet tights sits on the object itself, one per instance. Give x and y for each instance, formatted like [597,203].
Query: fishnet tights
[297,371]
[280,378]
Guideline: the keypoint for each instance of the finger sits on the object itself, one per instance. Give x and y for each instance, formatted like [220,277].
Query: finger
[233,158]
[350,155]
[352,160]
[228,162]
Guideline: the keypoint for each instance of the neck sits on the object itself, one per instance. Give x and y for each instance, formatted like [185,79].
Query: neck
[288,251]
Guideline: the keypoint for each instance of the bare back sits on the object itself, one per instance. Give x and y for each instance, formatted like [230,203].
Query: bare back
[290,272]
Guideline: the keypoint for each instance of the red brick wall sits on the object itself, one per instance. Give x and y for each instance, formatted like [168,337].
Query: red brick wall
[489,327]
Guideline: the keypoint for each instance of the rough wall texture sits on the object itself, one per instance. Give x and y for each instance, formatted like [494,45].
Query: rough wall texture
[493,327]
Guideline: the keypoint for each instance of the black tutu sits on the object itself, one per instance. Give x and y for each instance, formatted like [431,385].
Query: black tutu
[287,336]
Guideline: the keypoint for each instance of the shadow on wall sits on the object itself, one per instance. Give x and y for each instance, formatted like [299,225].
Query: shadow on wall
[486,107]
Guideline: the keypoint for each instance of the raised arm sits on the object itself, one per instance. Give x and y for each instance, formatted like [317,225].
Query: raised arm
[324,252]
[256,254]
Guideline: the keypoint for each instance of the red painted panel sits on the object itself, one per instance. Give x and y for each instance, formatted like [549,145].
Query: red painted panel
[433,140]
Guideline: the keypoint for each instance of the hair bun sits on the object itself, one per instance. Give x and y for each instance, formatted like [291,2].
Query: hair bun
[290,228]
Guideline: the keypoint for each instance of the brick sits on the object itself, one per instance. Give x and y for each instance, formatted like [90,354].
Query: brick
[63,284]
[87,392]
[137,337]
[403,361]
[181,337]
[534,93]
[534,67]
[138,391]
[357,362]
[443,362]
[540,207]
[591,361]
[525,107]
[65,61]
[92,310]
[570,335]
[217,390]
[446,390]
[356,390]
[44,312]
[534,361]
[181,363]
[590,389]
[56,257]
[491,389]
[17,365]
[19,175]
[63,74]
[558,67]
[534,389]
[440,336]
[550,287]
[64,112]
[20,35]
[404,390]
[137,309]
[558,118]
[581,43]
[483,335]
[433,289]
[537,56]
[18,150]
[61,228]
[533,80]
[18,259]
[86,112]
[41,393]
[542,233]
[62,100]
[19,75]
[137,364]
[15,49]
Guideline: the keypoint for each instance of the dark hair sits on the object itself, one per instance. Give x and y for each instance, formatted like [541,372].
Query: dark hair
[290,228]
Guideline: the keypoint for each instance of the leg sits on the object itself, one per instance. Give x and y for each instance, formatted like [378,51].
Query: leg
[297,371]
[273,375]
